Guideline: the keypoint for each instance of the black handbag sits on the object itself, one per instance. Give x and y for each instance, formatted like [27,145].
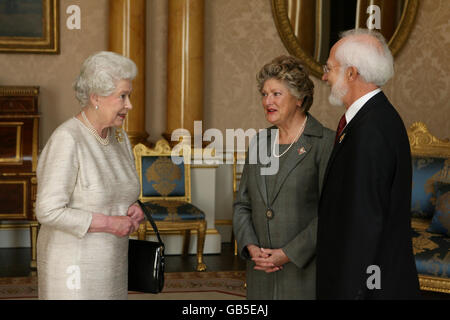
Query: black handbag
[146,262]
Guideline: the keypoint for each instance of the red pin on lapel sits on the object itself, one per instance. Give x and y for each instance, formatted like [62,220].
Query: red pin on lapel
[301,150]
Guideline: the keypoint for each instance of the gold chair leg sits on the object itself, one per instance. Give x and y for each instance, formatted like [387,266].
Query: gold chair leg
[233,240]
[201,266]
[34,226]
[186,241]
[142,230]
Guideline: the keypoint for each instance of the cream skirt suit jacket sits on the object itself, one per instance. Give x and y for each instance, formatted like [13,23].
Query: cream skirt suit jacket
[78,176]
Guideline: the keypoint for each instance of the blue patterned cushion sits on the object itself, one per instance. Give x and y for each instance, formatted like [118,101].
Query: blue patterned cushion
[423,197]
[162,177]
[441,218]
[432,254]
[166,210]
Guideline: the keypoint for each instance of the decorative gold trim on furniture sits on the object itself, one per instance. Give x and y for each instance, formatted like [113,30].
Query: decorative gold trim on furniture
[208,166]
[162,148]
[434,284]
[35,145]
[223,222]
[34,230]
[19,91]
[423,143]
[175,232]
[15,226]
[19,107]
[420,224]
[290,41]
[9,116]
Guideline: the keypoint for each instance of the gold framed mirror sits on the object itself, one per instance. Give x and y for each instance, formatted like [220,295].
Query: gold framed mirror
[308,28]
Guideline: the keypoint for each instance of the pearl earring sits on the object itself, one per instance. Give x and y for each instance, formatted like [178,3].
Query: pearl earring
[96,107]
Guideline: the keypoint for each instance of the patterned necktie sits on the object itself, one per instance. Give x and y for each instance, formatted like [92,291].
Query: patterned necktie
[341,126]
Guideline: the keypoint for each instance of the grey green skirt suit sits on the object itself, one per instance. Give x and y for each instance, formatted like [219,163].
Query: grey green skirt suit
[292,195]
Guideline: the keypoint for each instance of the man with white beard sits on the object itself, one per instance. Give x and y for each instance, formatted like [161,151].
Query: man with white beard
[364,246]
[338,90]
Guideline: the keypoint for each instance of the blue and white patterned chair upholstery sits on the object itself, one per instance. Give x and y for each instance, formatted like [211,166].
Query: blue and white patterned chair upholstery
[432,254]
[430,208]
[166,192]
[426,170]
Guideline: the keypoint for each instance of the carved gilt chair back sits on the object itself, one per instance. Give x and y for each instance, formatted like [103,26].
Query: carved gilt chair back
[165,180]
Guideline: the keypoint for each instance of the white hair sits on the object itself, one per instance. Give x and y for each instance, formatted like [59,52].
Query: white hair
[100,73]
[373,59]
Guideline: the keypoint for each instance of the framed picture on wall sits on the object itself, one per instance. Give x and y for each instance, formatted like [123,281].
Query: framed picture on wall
[29,26]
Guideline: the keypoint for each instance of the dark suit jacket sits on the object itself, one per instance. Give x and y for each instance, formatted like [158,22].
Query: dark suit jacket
[364,211]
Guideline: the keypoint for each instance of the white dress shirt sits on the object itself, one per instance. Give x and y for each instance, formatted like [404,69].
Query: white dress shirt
[358,104]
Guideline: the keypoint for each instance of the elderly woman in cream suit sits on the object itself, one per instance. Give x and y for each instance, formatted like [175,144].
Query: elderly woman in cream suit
[87,189]
[275,215]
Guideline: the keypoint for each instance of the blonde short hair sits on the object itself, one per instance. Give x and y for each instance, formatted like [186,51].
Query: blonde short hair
[291,71]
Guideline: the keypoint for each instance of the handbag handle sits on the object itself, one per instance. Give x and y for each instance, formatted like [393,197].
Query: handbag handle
[152,222]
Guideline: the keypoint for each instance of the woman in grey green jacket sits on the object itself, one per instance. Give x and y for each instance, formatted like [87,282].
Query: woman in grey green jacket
[275,212]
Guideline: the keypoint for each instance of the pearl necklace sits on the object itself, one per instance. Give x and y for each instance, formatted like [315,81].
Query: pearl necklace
[298,135]
[92,130]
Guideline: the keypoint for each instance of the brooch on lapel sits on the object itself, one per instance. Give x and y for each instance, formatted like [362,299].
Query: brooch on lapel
[301,151]
[341,138]
[119,135]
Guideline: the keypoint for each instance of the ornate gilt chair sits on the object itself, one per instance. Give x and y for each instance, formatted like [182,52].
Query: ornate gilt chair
[166,192]
[430,206]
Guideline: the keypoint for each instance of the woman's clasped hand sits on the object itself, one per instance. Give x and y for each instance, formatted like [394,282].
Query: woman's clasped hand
[267,260]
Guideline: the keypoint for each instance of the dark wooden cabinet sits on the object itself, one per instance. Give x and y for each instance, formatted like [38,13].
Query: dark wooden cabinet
[19,144]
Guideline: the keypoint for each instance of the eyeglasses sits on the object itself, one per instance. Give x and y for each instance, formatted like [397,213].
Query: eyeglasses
[327,69]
